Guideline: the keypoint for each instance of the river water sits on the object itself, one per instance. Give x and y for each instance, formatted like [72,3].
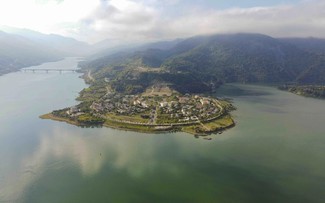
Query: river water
[274,154]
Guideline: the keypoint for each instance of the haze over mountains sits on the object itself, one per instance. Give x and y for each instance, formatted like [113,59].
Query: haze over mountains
[219,58]
[21,48]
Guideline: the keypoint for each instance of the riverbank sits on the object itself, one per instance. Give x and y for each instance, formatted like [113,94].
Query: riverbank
[50,116]
[200,129]
[315,91]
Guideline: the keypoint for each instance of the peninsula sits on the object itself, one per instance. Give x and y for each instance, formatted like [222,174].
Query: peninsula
[161,86]
[159,109]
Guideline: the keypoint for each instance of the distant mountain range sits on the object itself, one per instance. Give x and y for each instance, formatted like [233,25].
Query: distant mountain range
[203,62]
[21,48]
[206,61]
[65,45]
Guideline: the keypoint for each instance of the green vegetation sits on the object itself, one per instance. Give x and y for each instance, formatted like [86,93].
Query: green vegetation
[317,91]
[150,112]
[89,119]
[224,122]
[217,125]
[155,88]
[203,63]
[135,118]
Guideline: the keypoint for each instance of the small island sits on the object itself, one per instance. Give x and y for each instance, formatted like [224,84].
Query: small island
[159,109]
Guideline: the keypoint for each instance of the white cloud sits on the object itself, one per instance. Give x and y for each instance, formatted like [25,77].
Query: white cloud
[119,19]
[142,20]
[44,15]
[138,21]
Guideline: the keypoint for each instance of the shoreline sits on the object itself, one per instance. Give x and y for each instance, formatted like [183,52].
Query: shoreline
[221,124]
[50,116]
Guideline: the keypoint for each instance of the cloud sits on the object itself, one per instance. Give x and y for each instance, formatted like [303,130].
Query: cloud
[119,19]
[44,15]
[150,20]
[305,19]
[125,21]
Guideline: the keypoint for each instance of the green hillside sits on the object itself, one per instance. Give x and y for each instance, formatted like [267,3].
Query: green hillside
[202,63]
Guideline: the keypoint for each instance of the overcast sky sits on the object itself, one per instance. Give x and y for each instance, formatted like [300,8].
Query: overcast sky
[141,20]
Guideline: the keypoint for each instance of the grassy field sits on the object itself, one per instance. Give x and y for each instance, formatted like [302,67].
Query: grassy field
[210,127]
[221,123]
[134,118]
[131,127]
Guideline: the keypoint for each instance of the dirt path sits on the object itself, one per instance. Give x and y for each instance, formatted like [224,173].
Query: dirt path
[89,76]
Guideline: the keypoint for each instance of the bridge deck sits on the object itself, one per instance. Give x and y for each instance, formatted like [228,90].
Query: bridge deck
[48,70]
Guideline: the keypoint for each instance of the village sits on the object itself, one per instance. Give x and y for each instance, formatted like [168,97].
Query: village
[174,109]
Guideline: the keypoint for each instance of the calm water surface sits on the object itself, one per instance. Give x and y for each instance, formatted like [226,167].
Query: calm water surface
[274,154]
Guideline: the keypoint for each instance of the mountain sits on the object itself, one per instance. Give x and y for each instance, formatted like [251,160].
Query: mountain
[242,58]
[67,46]
[17,52]
[310,44]
[22,47]
[202,63]
[105,48]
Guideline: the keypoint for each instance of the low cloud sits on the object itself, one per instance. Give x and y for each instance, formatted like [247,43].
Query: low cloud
[125,21]
[147,20]
[119,20]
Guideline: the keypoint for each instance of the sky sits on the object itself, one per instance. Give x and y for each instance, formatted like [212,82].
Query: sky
[152,20]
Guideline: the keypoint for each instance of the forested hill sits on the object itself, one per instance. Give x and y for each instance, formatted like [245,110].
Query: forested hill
[311,44]
[244,58]
[223,58]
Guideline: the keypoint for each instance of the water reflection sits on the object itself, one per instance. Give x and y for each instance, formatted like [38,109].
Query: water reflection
[154,166]
[240,90]
[274,154]
[64,149]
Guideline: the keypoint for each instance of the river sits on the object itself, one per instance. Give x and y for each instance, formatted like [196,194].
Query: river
[274,154]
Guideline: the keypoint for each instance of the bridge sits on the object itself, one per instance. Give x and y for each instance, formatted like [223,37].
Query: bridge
[47,70]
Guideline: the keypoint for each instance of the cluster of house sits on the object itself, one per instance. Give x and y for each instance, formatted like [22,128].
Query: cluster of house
[74,111]
[180,108]
[119,104]
[190,108]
